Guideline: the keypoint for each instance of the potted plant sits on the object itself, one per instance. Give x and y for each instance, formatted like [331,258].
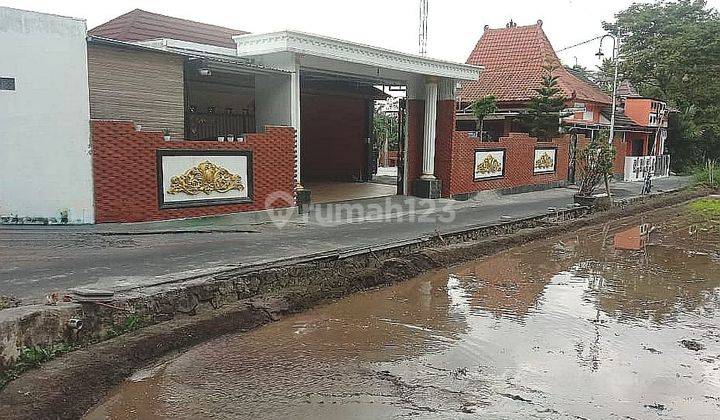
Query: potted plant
[166,134]
[595,164]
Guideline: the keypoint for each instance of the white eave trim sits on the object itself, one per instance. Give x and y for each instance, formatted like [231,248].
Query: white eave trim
[197,50]
[336,49]
[169,44]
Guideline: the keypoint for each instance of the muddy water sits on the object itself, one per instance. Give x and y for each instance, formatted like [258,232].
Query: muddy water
[618,321]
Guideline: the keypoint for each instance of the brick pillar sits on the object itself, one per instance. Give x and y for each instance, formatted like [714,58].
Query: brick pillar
[443,143]
[415,130]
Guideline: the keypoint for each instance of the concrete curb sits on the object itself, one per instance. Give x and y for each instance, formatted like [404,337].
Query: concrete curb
[43,393]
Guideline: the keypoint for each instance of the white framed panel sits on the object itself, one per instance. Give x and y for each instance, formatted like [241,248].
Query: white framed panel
[188,178]
[545,160]
[489,164]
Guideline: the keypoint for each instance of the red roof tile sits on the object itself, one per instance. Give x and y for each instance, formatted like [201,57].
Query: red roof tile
[513,59]
[139,25]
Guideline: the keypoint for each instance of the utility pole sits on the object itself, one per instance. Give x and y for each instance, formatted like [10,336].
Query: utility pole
[422,36]
[616,58]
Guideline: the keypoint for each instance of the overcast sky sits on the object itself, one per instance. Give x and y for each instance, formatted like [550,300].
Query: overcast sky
[453,26]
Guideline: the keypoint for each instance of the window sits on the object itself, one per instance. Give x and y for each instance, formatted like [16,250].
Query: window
[7,83]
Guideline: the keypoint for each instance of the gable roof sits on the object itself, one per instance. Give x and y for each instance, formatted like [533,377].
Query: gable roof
[140,25]
[513,58]
[625,89]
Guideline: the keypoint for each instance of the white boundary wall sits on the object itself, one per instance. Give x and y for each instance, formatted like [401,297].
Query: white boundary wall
[45,122]
[637,167]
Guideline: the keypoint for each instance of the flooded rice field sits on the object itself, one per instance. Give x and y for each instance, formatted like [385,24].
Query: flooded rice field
[617,321]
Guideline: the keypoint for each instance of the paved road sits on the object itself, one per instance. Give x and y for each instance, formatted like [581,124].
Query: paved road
[37,260]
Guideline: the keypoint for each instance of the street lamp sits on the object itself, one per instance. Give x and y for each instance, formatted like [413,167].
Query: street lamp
[616,58]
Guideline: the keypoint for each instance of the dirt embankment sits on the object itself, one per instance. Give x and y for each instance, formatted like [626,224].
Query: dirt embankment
[68,386]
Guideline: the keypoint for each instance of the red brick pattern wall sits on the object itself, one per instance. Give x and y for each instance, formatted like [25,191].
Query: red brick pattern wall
[125,173]
[415,130]
[444,128]
[519,162]
[333,134]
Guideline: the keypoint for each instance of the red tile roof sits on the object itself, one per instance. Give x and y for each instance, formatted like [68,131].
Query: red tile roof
[513,58]
[139,25]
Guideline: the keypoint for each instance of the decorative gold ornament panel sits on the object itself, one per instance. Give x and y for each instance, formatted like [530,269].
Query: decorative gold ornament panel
[489,164]
[190,178]
[544,161]
[207,178]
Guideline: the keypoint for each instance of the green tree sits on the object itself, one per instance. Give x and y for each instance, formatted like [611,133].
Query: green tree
[385,126]
[605,75]
[545,109]
[671,51]
[482,108]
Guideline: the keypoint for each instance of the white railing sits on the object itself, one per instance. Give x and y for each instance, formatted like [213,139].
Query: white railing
[637,167]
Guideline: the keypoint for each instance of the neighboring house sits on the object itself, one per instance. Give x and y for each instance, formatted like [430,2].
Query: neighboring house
[141,25]
[44,130]
[641,127]
[513,58]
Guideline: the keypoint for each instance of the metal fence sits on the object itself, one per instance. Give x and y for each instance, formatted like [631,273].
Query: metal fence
[638,167]
[212,126]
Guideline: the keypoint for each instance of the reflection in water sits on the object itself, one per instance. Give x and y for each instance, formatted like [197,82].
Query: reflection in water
[634,238]
[588,326]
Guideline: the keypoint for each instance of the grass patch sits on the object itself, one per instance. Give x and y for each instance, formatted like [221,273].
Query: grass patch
[131,323]
[8,302]
[702,175]
[32,357]
[706,207]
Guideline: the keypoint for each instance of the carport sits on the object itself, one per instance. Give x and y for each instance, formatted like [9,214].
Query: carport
[328,100]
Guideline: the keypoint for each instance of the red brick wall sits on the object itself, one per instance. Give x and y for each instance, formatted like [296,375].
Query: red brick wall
[125,173]
[444,128]
[415,130]
[333,130]
[519,163]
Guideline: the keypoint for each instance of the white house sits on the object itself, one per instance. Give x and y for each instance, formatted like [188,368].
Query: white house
[44,119]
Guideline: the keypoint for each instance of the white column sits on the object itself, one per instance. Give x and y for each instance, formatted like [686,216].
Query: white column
[428,162]
[295,116]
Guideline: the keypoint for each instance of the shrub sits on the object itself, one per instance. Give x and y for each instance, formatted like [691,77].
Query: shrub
[595,163]
[708,174]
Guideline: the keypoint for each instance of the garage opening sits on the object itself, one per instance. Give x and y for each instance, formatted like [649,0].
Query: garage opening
[341,151]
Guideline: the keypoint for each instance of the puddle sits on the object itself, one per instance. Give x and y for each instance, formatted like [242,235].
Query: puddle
[611,322]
